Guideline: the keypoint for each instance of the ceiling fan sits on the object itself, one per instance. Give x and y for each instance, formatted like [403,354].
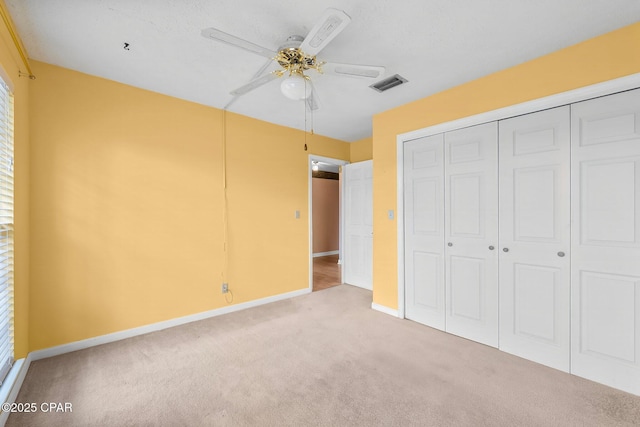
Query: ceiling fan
[297,56]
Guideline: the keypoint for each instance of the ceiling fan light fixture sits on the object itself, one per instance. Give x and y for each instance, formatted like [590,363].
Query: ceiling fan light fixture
[295,87]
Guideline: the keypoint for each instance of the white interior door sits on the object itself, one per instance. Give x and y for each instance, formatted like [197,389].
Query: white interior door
[358,232]
[535,230]
[605,274]
[471,232]
[424,230]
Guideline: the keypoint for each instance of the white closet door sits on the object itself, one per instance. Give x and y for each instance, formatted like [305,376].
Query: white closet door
[605,275]
[471,230]
[424,230]
[535,236]
[358,250]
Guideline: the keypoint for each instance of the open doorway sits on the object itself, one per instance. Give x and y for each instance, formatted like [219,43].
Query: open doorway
[325,222]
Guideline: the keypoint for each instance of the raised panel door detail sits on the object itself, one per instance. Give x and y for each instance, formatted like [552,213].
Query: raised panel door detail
[356,248]
[467,287]
[536,301]
[355,200]
[466,205]
[427,274]
[609,202]
[608,307]
[534,141]
[535,208]
[426,218]
[465,151]
[609,128]
[424,158]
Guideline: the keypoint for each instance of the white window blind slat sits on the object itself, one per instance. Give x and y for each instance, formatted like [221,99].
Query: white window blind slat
[4,299]
[5,330]
[6,230]
[5,321]
[6,341]
[6,355]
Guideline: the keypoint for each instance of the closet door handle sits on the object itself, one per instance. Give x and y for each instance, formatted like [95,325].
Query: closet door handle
[560,254]
[505,249]
[491,248]
[449,244]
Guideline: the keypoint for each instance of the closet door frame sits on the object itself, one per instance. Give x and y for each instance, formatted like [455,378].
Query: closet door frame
[557,100]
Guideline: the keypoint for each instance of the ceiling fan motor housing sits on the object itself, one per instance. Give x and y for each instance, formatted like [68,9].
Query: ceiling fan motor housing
[294,60]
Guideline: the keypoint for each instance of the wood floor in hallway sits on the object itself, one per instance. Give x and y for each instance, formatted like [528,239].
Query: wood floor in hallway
[326,272]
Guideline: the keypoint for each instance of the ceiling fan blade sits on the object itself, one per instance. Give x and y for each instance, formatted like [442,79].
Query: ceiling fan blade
[255,76]
[332,22]
[221,36]
[263,69]
[353,70]
[313,102]
[254,84]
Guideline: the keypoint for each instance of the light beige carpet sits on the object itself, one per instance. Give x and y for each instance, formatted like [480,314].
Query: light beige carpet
[322,359]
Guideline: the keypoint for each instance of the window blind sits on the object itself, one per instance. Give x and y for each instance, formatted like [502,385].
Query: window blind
[6,230]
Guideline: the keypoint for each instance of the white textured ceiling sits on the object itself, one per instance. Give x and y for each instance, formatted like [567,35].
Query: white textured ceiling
[435,44]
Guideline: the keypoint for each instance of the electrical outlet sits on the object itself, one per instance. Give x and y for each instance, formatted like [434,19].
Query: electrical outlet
[225,288]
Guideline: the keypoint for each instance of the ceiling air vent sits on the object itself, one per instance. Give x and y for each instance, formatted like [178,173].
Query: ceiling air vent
[388,83]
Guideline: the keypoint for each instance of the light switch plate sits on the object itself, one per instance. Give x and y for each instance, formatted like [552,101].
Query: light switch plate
[390,214]
[297,214]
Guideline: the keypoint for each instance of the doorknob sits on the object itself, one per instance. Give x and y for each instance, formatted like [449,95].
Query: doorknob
[491,248]
[560,254]
[505,249]
[449,244]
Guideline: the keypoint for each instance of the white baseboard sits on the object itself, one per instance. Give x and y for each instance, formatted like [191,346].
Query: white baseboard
[383,309]
[117,336]
[318,254]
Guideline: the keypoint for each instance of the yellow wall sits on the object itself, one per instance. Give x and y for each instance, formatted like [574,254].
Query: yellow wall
[11,63]
[127,207]
[607,57]
[361,150]
[267,183]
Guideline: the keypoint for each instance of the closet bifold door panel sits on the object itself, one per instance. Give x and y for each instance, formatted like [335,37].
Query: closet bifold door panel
[535,236]
[424,230]
[605,272]
[471,232]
